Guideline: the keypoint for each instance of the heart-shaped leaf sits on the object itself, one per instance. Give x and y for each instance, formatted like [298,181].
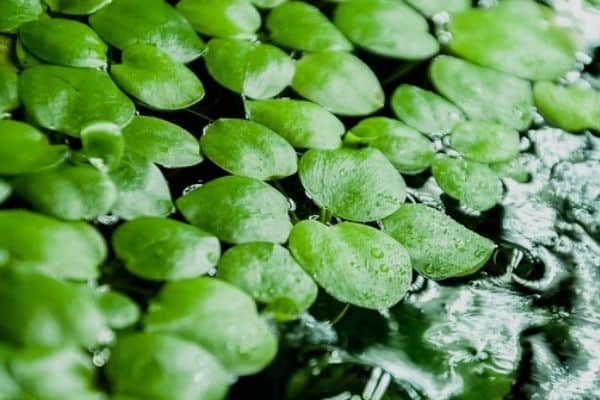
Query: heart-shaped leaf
[485,142]
[354,263]
[439,247]
[76,7]
[14,13]
[9,93]
[221,18]
[119,310]
[103,145]
[433,7]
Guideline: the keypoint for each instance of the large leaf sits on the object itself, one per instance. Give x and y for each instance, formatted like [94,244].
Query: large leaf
[221,18]
[9,93]
[439,247]
[485,142]
[355,263]
[76,7]
[359,185]
[246,148]
[14,13]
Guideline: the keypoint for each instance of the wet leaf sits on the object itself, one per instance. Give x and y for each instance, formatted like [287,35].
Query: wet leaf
[219,317]
[119,310]
[433,7]
[238,210]
[387,28]
[439,247]
[163,249]
[221,18]
[354,263]
[485,142]
[407,149]
[163,367]
[246,148]
[64,42]
[157,80]
[301,26]
[9,94]
[66,99]
[268,273]
[14,13]
[359,185]
[482,93]
[76,7]
[256,70]
[103,144]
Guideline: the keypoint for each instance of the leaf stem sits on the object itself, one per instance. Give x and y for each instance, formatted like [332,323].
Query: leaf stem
[325,215]
[341,314]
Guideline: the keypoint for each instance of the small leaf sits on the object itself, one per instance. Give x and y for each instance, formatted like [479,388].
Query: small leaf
[301,26]
[221,18]
[439,247]
[246,148]
[124,23]
[485,142]
[103,144]
[259,71]
[268,273]
[9,94]
[238,210]
[354,263]
[473,184]
[407,149]
[162,249]
[14,13]
[302,123]
[482,93]
[359,185]
[387,28]
[76,7]
[155,79]
[64,42]
[119,310]
[340,82]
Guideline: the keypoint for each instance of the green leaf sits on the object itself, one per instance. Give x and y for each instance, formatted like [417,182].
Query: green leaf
[433,7]
[219,317]
[571,108]
[439,247]
[259,71]
[532,48]
[103,145]
[485,142]
[424,110]
[76,7]
[267,3]
[407,149]
[354,263]
[302,123]
[340,82]
[119,310]
[162,367]
[387,28]
[157,80]
[301,26]
[482,93]
[514,169]
[14,13]
[24,58]
[35,242]
[9,94]
[359,185]
[162,249]
[238,209]
[66,99]
[64,42]
[475,185]
[246,148]
[268,273]
[5,191]
[221,18]
[24,149]
[68,192]
[124,23]
[143,190]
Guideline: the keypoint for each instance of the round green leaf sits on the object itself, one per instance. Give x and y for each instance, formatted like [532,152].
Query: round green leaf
[387,28]
[355,263]
[66,99]
[424,110]
[155,79]
[14,13]
[163,249]
[119,310]
[482,93]
[64,42]
[161,142]
[301,26]
[407,149]
[256,70]
[76,7]
[433,7]
[340,82]
[124,23]
[475,185]
[68,192]
[103,144]
[302,123]
[161,367]
[24,149]
[221,18]
[219,317]
[238,209]
[485,142]
[359,185]
[35,242]
[247,148]
[268,273]
[439,247]
[9,94]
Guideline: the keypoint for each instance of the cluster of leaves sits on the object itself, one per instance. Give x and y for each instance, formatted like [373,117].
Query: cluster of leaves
[74,149]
